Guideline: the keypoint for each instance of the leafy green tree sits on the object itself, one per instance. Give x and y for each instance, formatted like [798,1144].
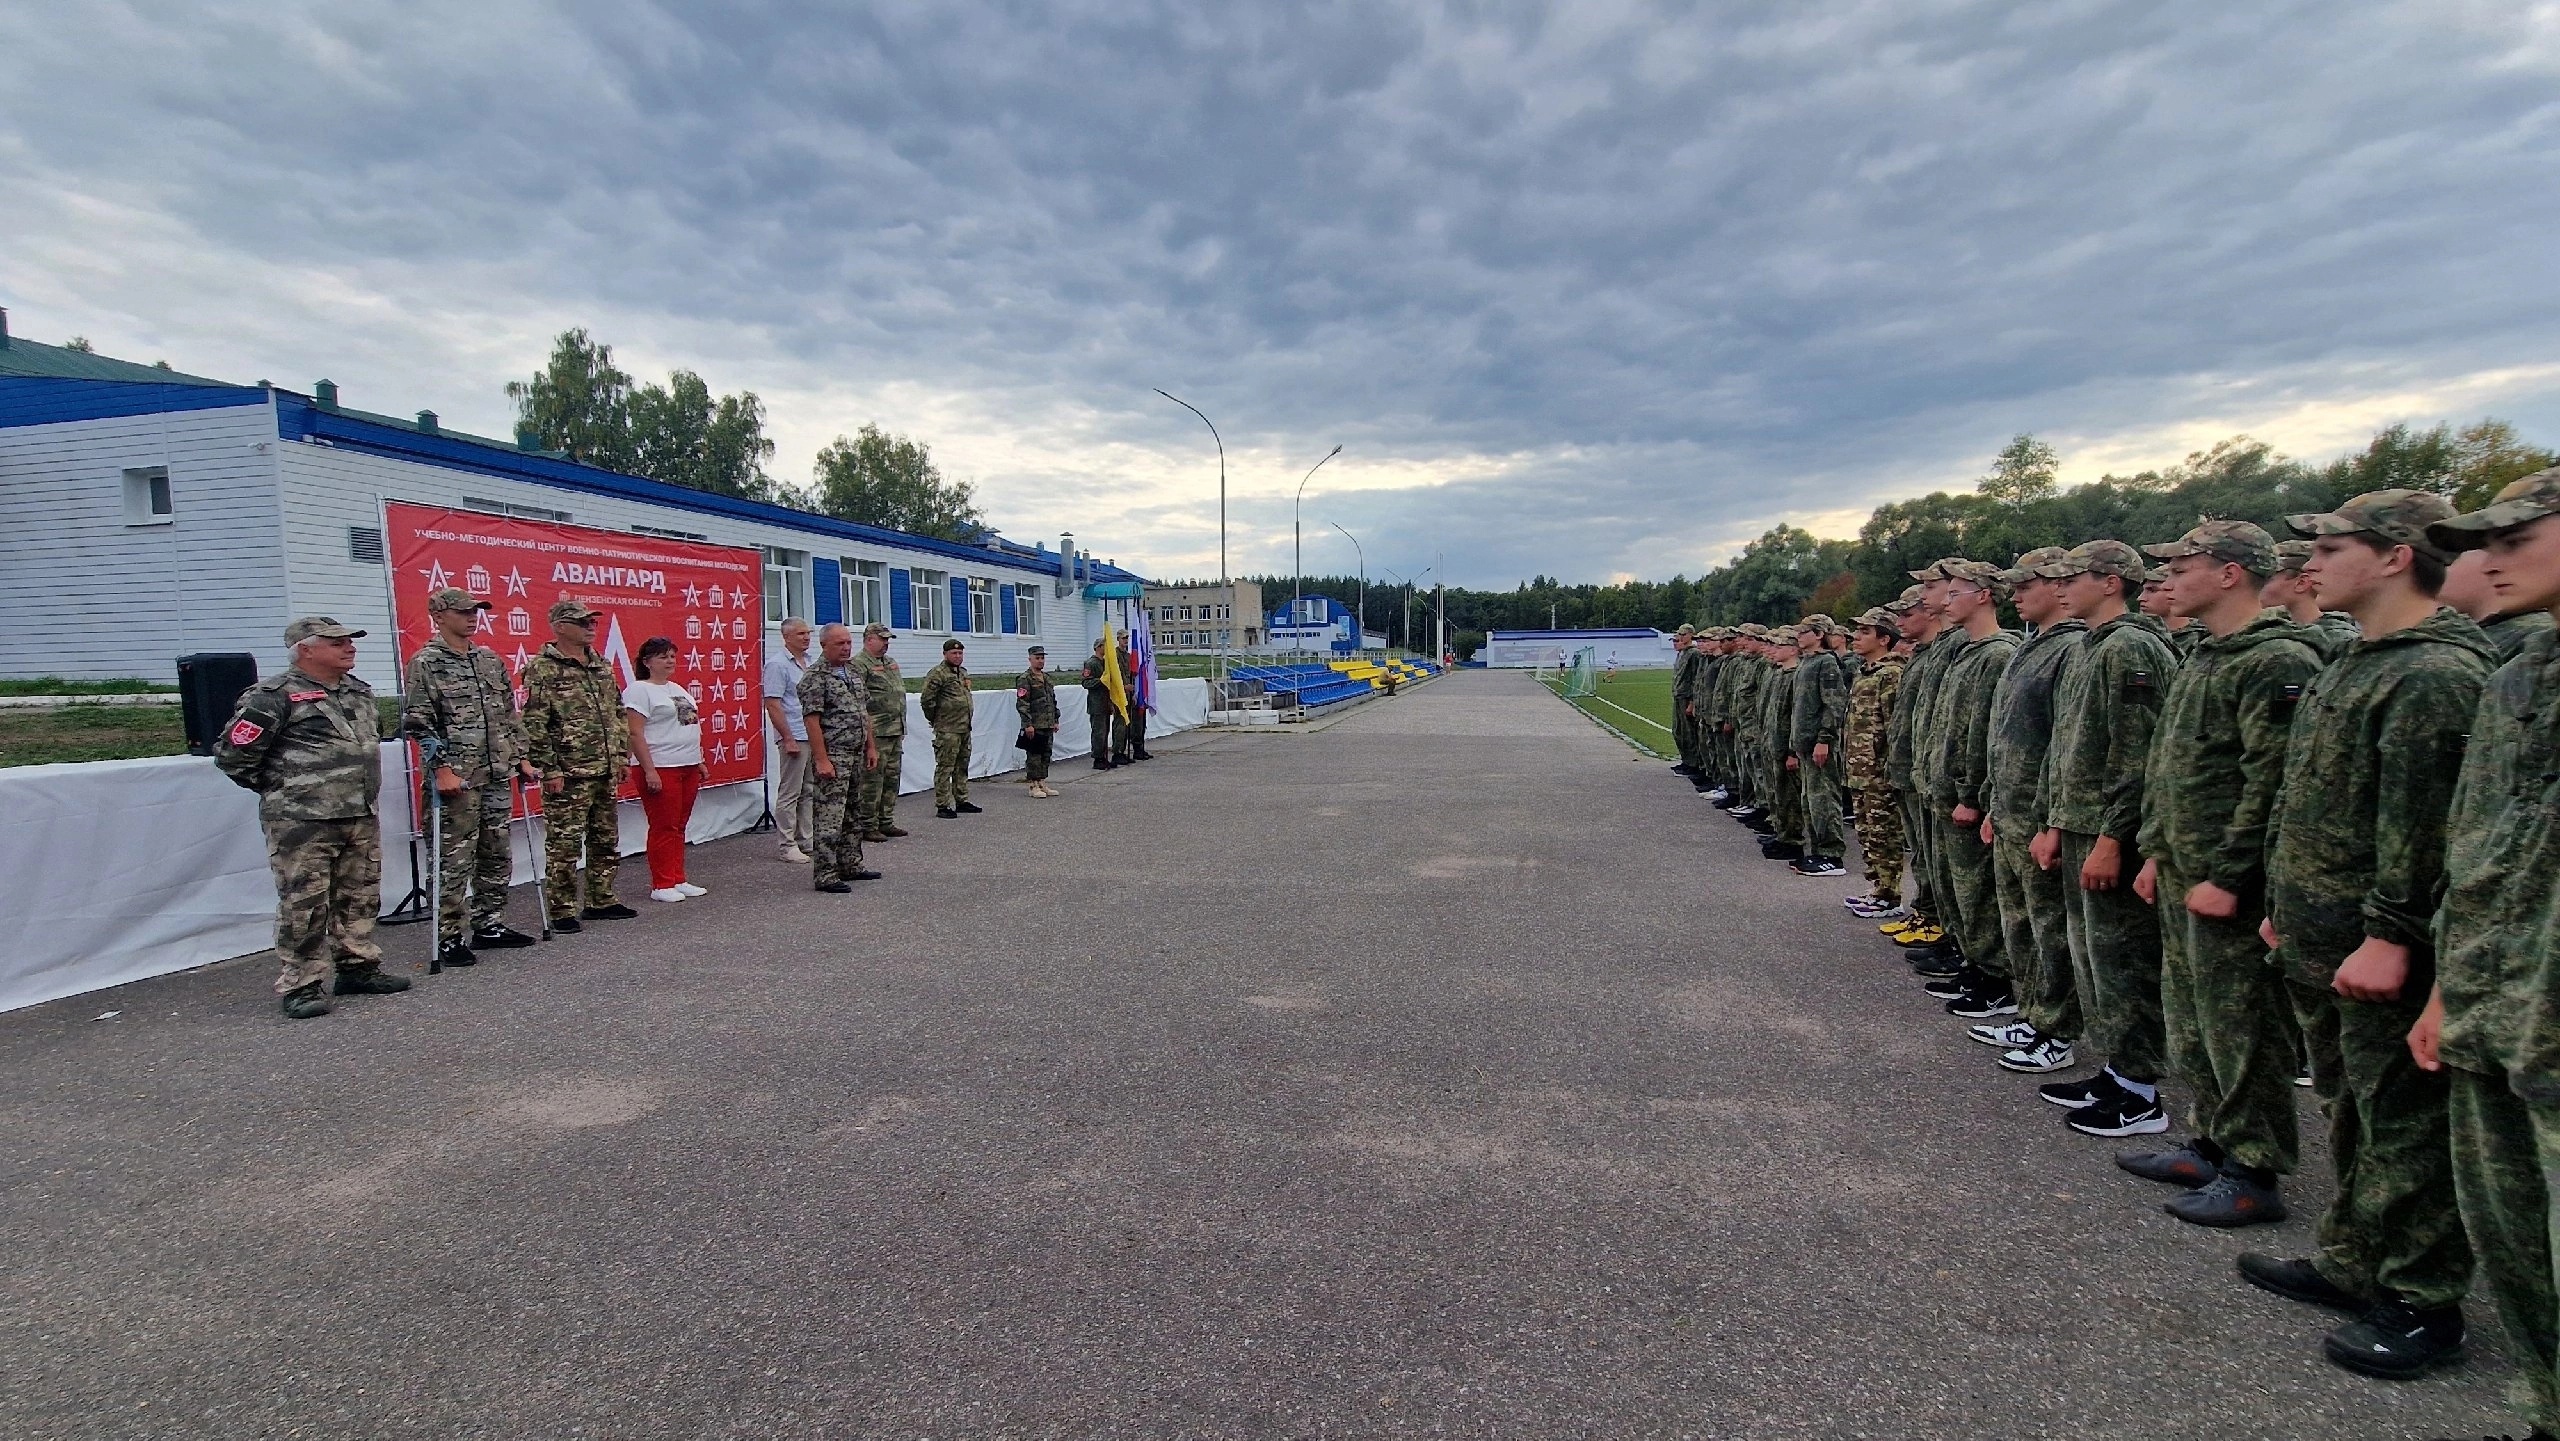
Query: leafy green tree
[2490,454]
[580,403]
[682,435]
[877,478]
[2026,469]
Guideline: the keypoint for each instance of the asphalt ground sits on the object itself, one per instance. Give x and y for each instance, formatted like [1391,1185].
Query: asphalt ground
[1447,1071]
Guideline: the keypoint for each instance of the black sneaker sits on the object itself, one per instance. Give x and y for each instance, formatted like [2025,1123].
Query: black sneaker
[862,875]
[369,981]
[1684,769]
[304,1002]
[945,813]
[1819,866]
[456,954]
[565,926]
[1938,965]
[2193,1164]
[2297,1281]
[1948,988]
[2079,1095]
[615,912]
[2122,1114]
[967,809]
[833,888]
[2229,1200]
[499,936]
[2397,1342]
[1974,1005]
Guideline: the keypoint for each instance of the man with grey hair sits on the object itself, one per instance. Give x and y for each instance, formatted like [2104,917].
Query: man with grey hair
[791,795]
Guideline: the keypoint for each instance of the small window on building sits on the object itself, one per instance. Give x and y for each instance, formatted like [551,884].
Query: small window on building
[982,607]
[146,497]
[866,591]
[786,584]
[931,590]
[666,534]
[1026,610]
[520,512]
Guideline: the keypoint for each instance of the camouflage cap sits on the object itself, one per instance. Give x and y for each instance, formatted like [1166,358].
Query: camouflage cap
[1686,630]
[1910,593]
[572,610]
[880,629]
[2290,554]
[1975,572]
[1880,618]
[1753,630]
[454,597]
[2528,498]
[1782,633]
[2155,575]
[2398,516]
[318,627]
[2095,557]
[1934,570]
[1039,650]
[1820,624]
[2025,569]
[2233,542]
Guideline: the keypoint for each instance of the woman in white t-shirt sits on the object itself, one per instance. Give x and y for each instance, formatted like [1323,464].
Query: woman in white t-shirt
[666,744]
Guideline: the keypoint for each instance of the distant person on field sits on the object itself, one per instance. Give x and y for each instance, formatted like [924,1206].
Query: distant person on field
[666,744]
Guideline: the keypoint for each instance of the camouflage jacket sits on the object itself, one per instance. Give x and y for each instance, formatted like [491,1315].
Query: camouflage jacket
[1097,688]
[2186,638]
[469,703]
[2022,723]
[884,692]
[1684,674]
[1035,699]
[1821,708]
[1919,692]
[2330,634]
[1871,702]
[1960,773]
[573,717]
[945,701]
[2217,759]
[1777,708]
[2509,632]
[2358,834]
[836,705]
[2497,954]
[1702,691]
[310,752]
[1742,698]
[2104,709]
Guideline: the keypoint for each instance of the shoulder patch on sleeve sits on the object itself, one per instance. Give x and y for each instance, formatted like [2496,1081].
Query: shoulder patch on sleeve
[244,732]
[299,695]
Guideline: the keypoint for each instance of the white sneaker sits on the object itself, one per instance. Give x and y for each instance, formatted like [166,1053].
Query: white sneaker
[690,889]
[2012,1036]
[2048,1054]
[795,855]
[669,894]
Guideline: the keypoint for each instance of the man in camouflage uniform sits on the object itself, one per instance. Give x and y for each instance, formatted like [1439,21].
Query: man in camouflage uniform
[1685,656]
[461,703]
[308,741]
[2183,633]
[2467,589]
[2290,591]
[884,693]
[1909,763]
[2355,869]
[1714,684]
[1820,714]
[1132,734]
[949,708]
[835,705]
[1785,840]
[576,736]
[2034,902]
[1035,704]
[2217,764]
[1959,775]
[1871,703]
[2105,707]
[1099,713]
[1740,710]
[2493,1028]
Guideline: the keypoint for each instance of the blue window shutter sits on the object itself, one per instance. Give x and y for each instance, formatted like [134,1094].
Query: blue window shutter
[1006,615]
[960,621]
[902,603]
[827,579]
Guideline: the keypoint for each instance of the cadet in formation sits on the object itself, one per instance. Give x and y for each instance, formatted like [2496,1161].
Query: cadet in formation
[1035,704]
[1099,713]
[884,696]
[1131,737]
[1685,656]
[576,738]
[948,708]
[307,740]
[2034,902]
[460,705]
[1819,715]
[1871,705]
[835,706]
[1957,771]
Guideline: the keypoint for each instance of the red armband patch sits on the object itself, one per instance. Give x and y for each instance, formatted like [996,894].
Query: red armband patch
[307,695]
[243,732]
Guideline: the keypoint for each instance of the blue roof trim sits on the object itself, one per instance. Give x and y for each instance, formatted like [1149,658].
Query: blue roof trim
[51,400]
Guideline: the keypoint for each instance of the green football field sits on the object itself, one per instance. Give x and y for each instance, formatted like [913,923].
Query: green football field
[1637,704]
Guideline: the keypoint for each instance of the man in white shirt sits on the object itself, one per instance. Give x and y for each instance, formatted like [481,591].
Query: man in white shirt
[791,739]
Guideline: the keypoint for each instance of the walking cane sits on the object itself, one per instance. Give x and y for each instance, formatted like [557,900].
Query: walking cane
[534,847]
[429,748]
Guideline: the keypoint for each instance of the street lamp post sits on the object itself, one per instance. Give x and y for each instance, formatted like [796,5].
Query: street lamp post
[1360,631]
[1224,581]
[1298,548]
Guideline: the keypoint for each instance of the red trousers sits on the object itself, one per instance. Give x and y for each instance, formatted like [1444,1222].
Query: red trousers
[669,808]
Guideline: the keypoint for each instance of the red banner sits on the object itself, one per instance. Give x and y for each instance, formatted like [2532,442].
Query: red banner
[708,599]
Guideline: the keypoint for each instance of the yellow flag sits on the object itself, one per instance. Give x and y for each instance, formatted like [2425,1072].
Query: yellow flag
[1111,677]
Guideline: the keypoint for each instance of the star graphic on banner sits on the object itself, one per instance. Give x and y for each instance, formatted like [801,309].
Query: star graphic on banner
[516,581]
[738,719]
[486,620]
[693,660]
[437,576]
[738,598]
[739,659]
[520,658]
[692,596]
[720,753]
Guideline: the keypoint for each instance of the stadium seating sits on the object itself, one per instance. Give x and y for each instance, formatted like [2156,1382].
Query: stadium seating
[1316,685]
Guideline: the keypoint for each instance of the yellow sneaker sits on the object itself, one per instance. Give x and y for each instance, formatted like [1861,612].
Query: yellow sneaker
[1896,929]
[1928,937]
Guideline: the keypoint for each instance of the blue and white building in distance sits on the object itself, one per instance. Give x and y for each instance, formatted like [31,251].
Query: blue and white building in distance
[1320,624]
[151,514]
[1624,648]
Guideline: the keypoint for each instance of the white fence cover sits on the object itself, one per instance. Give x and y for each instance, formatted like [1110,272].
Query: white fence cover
[125,869]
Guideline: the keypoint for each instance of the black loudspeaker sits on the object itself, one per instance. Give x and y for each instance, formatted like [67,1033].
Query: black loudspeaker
[208,687]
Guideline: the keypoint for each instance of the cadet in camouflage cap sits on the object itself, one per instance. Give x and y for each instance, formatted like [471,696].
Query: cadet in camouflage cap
[2100,557]
[1974,572]
[1753,630]
[2025,569]
[2520,502]
[2397,517]
[454,597]
[459,699]
[1881,618]
[2233,542]
[2290,554]
[1934,570]
[1686,629]
[578,735]
[576,612]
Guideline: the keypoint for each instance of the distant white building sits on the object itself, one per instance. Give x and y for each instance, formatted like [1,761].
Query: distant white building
[1628,648]
[151,515]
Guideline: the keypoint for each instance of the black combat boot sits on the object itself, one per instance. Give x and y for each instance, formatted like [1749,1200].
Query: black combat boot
[369,981]
[304,1002]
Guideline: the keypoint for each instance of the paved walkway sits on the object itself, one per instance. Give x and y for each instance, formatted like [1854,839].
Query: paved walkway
[1448,1071]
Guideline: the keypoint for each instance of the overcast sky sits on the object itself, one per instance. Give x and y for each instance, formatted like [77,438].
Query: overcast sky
[1591,289]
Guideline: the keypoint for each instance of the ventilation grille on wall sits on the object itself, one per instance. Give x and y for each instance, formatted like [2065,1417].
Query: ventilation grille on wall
[364,543]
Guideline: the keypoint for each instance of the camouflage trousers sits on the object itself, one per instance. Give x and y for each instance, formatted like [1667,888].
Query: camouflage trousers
[1818,795]
[1880,839]
[2394,1224]
[1786,800]
[1108,730]
[1684,735]
[1129,737]
[2506,1169]
[580,823]
[328,891]
[1746,767]
[950,767]
[2230,1030]
[835,827]
[2115,965]
[1719,752]
[1035,756]
[1915,841]
[479,858]
[2035,928]
[1969,891]
[875,794]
